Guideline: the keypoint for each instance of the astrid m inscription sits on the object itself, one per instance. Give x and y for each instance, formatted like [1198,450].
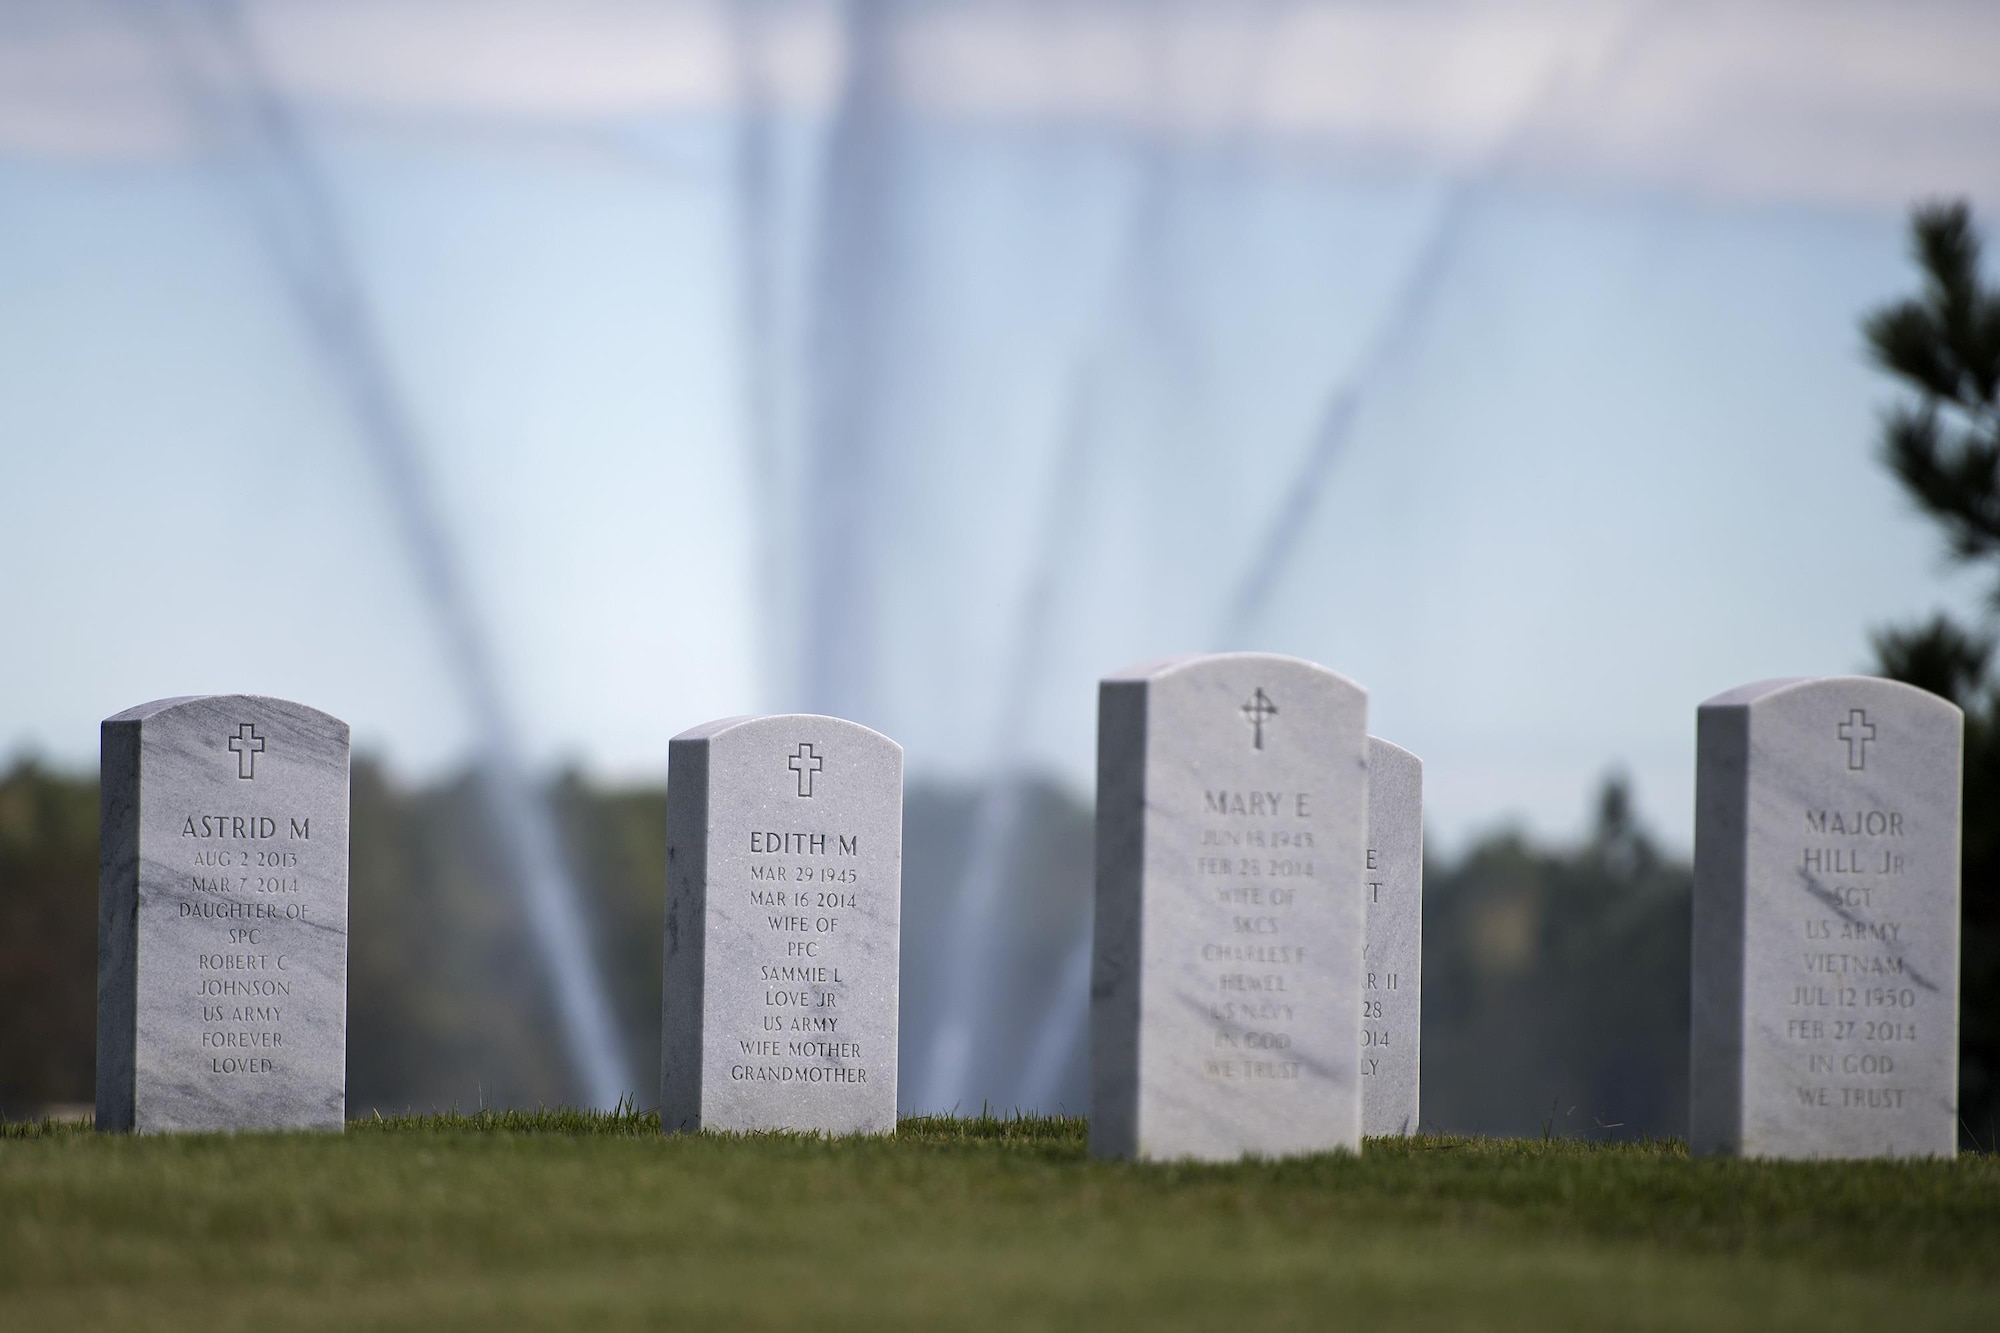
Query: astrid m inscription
[222,917]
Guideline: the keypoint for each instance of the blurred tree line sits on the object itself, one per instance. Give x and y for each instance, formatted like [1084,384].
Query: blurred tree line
[1555,978]
[446,1003]
[48,938]
[1556,984]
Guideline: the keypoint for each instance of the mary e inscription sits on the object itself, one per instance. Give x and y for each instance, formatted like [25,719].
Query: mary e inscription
[1226,984]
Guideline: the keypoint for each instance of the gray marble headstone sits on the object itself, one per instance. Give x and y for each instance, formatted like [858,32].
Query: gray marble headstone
[784,907]
[1392,1006]
[1826,908]
[222,917]
[1225,996]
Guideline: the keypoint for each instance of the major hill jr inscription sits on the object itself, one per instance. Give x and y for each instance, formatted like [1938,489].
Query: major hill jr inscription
[784,905]
[222,917]
[1226,989]
[1826,907]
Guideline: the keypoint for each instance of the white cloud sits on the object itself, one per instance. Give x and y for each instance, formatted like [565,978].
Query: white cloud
[1818,101]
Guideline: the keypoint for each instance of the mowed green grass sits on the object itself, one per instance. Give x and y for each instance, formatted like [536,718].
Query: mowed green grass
[569,1221]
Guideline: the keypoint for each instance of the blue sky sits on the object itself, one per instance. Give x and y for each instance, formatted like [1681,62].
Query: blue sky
[1620,461]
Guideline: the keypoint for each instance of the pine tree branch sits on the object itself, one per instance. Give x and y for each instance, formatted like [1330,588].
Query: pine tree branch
[1945,345]
[1906,341]
[1954,480]
[1936,655]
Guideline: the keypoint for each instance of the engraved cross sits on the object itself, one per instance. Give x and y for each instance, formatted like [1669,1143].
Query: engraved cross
[1254,712]
[1857,731]
[247,745]
[805,763]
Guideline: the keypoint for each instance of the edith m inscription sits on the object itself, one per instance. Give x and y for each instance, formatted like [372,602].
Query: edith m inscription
[784,897]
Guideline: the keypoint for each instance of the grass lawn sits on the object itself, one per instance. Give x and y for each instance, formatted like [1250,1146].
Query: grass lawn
[572,1221]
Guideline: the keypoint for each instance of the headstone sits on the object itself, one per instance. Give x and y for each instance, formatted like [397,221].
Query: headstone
[1392,964]
[784,907]
[1232,811]
[222,917]
[1826,907]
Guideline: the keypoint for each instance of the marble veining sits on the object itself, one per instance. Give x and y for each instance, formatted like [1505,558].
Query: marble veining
[1392,962]
[1227,977]
[1826,909]
[784,912]
[222,941]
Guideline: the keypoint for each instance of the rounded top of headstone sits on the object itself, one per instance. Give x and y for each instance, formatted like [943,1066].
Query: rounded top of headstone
[784,721]
[1792,687]
[159,708]
[1395,751]
[1160,667]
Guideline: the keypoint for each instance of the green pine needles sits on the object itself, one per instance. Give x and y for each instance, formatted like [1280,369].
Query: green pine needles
[1941,440]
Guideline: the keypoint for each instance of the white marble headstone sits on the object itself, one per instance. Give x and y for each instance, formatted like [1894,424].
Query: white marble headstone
[784,907]
[1232,811]
[1392,965]
[1826,908]
[222,917]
